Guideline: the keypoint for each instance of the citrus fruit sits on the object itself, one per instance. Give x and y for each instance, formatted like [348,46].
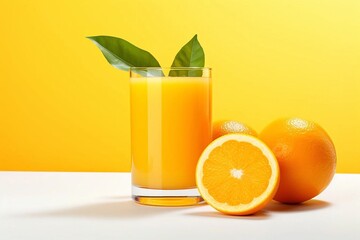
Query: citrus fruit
[306,156]
[223,127]
[237,174]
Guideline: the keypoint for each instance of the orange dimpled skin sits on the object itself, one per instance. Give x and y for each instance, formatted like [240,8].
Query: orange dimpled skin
[221,128]
[306,157]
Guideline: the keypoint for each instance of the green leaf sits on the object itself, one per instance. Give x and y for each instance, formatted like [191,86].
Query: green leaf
[190,55]
[123,55]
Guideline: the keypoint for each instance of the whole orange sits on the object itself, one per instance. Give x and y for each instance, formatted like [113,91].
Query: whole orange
[306,157]
[221,128]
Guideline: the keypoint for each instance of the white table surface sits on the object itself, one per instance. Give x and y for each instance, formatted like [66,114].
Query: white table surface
[50,205]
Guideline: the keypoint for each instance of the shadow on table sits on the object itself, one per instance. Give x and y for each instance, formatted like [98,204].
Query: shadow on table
[121,209]
[310,205]
[126,208]
[269,210]
[261,215]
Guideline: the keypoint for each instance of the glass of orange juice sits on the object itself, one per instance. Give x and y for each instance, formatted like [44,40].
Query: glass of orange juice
[170,127]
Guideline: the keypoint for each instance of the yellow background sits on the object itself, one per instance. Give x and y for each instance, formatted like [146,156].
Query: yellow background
[63,107]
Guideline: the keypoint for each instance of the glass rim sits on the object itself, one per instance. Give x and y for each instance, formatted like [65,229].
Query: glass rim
[170,68]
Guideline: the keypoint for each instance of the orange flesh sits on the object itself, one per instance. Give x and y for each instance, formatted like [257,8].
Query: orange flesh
[245,160]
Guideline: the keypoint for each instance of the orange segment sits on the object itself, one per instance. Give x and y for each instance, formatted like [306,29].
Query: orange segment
[237,174]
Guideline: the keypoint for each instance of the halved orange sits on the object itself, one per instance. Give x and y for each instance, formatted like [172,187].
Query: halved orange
[237,174]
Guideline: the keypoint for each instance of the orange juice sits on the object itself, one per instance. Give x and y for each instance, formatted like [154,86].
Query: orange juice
[170,127]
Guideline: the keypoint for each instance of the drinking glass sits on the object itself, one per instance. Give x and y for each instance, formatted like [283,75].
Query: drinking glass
[170,127]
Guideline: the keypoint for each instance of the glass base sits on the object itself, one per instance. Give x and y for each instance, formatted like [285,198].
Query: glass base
[167,198]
